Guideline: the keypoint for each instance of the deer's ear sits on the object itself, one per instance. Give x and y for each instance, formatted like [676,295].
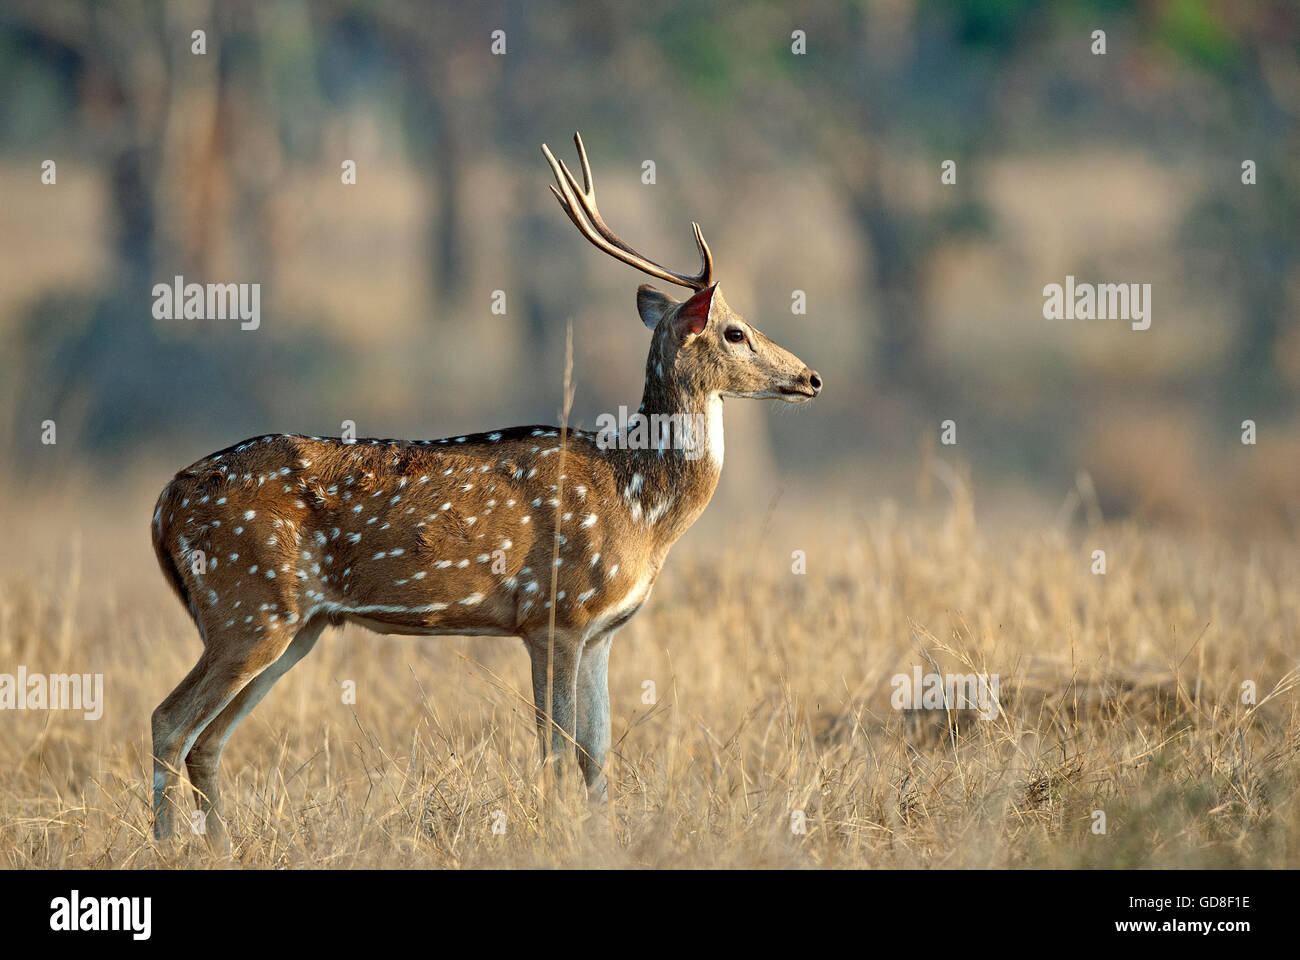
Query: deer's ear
[693,315]
[652,304]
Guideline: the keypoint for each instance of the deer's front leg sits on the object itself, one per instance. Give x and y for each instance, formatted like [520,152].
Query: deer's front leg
[555,666]
[593,714]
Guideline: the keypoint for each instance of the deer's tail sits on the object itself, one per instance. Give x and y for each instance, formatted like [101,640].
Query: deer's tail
[163,515]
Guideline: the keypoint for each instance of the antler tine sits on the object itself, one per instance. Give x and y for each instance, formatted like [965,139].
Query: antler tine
[588,184]
[706,258]
[588,196]
[592,226]
[565,194]
[568,196]
[564,205]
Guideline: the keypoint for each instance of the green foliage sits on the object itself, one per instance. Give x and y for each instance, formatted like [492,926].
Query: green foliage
[698,45]
[985,23]
[1192,31]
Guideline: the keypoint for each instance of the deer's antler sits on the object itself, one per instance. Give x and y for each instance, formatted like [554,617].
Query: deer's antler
[590,224]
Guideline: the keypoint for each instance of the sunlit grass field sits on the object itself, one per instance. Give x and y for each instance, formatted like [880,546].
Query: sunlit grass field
[751,710]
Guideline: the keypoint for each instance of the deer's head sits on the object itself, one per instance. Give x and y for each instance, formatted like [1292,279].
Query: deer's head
[708,347]
[700,342]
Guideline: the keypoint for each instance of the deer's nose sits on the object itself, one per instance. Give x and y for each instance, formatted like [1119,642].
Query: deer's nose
[815,381]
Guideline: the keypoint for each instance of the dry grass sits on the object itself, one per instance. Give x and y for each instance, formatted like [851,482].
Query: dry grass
[1120,693]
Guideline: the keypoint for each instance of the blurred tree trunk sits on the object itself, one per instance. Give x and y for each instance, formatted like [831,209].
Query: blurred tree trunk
[1264,261]
[449,242]
[896,291]
[430,51]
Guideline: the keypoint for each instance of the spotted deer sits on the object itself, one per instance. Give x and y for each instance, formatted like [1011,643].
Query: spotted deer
[554,536]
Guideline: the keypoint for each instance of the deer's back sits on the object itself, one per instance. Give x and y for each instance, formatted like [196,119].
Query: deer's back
[444,536]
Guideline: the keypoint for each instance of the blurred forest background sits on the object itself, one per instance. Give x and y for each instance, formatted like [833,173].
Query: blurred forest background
[817,172]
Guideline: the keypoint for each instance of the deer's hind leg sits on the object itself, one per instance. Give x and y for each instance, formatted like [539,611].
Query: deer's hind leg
[233,656]
[204,757]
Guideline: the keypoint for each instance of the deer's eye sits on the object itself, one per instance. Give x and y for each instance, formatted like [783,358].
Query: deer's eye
[735,335]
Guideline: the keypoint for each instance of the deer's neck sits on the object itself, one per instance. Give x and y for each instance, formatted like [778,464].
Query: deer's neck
[667,485]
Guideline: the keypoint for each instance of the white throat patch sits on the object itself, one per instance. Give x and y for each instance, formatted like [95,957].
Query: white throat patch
[716,445]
